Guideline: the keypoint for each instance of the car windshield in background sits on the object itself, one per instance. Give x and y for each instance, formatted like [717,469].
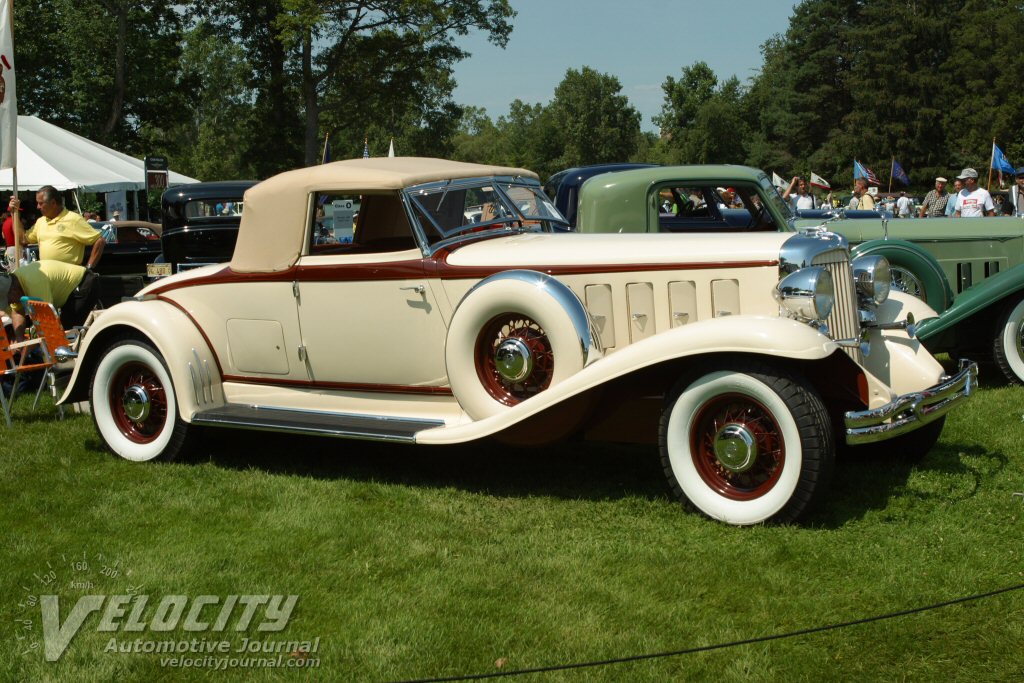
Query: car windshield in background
[212,208]
[772,193]
[449,210]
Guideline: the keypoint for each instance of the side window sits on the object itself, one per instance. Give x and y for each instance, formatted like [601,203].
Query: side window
[359,223]
[710,208]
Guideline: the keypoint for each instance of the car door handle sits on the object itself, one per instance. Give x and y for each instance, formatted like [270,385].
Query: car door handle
[419,289]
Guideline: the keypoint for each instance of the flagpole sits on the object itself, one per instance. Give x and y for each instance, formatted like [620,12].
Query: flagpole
[323,155]
[892,167]
[16,222]
[992,158]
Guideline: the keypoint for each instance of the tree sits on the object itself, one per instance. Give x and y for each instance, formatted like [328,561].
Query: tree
[593,120]
[104,69]
[701,121]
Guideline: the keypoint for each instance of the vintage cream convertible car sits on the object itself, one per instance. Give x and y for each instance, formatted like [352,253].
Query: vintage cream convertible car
[746,357]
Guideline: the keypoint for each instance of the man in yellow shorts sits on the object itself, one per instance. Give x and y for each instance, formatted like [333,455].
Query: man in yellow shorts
[72,289]
[62,235]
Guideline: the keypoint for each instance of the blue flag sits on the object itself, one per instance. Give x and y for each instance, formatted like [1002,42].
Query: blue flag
[999,160]
[366,148]
[899,174]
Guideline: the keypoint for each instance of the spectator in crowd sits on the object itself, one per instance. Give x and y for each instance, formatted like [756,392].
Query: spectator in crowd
[958,187]
[10,258]
[803,199]
[934,205]
[865,202]
[1017,193]
[973,201]
[71,288]
[62,235]
[904,206]
[115,217]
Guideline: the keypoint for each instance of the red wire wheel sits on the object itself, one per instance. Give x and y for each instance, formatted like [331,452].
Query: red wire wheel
[534,342]
[138,402]
[749,471]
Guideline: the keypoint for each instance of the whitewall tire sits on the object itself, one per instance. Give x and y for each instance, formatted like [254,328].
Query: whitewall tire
[134,404]
[746,444]
[1008,344]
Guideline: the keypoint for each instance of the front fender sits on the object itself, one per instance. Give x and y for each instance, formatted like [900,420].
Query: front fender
[990,292]
[914,258]
[192,365]
[744,334]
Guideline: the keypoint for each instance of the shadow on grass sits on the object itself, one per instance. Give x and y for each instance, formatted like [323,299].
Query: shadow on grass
[570,470]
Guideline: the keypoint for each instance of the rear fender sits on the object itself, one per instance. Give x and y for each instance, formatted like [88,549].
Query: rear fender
[192,365]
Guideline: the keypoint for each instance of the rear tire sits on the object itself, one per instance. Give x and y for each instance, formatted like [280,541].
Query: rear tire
[746,444]
[134,404]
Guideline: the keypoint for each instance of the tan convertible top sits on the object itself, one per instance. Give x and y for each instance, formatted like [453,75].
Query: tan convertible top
[274,220]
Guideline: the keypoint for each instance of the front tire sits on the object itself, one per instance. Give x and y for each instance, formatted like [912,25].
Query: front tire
[1008,343]
[746,444]
[134,404]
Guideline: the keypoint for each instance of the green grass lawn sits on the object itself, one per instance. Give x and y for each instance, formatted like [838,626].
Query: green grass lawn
[415,562]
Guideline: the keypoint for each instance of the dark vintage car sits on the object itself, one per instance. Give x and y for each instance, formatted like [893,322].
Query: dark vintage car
[122,268]
[200,225]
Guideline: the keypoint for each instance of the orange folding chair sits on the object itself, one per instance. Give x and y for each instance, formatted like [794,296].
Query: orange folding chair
[53,340]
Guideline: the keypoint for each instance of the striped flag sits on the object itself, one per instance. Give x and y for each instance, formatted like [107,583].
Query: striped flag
[778,182]
[366,148]
[818,181]
[8,94]
[862,171]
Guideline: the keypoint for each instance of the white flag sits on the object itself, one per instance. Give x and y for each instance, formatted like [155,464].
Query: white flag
[391,148]
[778,182]
[8,96]
[818,181]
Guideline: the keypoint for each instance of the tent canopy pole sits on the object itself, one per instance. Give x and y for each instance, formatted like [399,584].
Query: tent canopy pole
[77,204]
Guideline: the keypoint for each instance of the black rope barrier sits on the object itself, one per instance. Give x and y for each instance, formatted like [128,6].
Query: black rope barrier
[719,646]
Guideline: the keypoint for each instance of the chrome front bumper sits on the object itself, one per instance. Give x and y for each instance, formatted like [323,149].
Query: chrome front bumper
[910,411]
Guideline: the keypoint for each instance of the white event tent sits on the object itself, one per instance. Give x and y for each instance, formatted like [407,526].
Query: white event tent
[49,155]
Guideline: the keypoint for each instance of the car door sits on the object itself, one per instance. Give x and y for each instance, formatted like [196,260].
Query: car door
[368,314]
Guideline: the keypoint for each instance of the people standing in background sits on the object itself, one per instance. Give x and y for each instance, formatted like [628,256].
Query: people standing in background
[865,202]
[803,199]
[958,187]
[904,206]
[10,257]
[1017,193]
[973,201]
[934,205]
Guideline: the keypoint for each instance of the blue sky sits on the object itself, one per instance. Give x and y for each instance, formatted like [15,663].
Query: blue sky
[640,42]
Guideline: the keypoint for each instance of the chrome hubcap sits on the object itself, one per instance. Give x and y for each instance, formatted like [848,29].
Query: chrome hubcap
[735,448]
[513,360]
[135,403]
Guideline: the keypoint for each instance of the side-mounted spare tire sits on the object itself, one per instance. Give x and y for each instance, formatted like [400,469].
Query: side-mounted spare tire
[514,335]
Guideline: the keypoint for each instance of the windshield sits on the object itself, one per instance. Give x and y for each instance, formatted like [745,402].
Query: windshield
[772,193]
[448,210]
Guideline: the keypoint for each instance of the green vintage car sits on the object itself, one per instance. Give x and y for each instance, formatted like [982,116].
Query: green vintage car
[942,260]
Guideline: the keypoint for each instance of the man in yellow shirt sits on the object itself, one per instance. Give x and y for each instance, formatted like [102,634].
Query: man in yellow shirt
[69,287]
[62,235]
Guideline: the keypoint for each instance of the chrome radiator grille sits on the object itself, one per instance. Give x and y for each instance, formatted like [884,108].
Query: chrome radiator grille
[844,321]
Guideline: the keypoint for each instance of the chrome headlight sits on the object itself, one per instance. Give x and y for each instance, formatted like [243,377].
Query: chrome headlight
[808,293]
[871,273]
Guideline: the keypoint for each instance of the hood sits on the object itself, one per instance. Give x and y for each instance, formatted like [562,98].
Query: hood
[544,249]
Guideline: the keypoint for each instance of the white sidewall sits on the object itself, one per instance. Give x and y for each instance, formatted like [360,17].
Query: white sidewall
[1009,340]
[476,311]
[706,499]
[118,442]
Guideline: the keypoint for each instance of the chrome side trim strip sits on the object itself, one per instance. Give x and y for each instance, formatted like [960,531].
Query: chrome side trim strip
[910,411]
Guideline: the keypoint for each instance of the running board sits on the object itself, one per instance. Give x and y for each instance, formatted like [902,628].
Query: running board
[339,425]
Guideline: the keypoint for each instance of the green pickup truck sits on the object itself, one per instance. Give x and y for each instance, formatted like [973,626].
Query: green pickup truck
[969,270]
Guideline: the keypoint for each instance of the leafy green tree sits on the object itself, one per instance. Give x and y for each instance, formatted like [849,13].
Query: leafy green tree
[593,119]
[105,69]
[702,121]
